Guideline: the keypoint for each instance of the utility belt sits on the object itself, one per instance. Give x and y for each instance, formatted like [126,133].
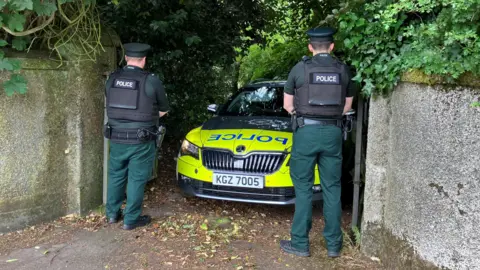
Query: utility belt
[130,135]
[345,124]
[302,121]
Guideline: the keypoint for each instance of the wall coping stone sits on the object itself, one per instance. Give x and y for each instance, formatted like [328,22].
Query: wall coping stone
[419,77]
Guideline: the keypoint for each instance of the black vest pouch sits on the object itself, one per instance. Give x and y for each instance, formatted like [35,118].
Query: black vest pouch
[124,94]
[127,98]
[325,89]
[322,93]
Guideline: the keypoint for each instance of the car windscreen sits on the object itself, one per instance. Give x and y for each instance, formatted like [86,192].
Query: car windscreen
[256,101]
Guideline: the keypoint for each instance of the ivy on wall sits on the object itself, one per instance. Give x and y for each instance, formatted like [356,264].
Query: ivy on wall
[382,39]
[67,27]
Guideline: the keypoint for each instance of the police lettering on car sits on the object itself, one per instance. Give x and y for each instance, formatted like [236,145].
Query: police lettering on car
[136,100]
[319,90]
[241,136]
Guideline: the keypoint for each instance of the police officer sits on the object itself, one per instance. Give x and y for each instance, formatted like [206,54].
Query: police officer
[135,101]
[318,92]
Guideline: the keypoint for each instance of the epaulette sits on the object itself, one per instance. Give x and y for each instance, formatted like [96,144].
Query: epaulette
[338,60]
[305,58]
[112,73]
[117,70]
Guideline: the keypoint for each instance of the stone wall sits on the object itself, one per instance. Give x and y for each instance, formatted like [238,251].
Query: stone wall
[422,192]
[51,142]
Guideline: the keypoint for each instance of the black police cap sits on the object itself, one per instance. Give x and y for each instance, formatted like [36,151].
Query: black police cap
[136,49]
[321,34]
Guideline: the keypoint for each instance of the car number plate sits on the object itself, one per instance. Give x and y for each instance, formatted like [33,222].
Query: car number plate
[232,180]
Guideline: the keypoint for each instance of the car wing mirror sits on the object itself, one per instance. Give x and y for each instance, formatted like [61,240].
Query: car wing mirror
[212,108]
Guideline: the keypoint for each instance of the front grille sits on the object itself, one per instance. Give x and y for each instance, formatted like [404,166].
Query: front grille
[221,160]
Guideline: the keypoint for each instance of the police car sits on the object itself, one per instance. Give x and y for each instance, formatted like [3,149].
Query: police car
[243,152]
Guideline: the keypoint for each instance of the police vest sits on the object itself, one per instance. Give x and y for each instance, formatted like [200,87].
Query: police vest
[322,93]
[127,99]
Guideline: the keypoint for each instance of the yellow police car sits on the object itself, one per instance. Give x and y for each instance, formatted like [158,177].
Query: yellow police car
[242,153]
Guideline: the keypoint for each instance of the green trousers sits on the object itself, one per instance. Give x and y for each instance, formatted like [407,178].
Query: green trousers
[130,166]
[322,145]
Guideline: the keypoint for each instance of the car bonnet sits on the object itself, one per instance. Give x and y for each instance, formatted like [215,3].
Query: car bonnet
[246,134]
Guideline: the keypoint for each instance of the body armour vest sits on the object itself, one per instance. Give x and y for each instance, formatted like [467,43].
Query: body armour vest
[322,93]
[127,99]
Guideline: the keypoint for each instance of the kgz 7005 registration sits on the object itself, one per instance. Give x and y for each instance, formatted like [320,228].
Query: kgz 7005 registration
[238,180]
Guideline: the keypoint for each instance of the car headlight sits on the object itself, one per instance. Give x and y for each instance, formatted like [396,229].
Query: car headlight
[189,149]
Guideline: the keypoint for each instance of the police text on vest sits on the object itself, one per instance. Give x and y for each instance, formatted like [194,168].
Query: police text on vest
[125,84]
[325,78]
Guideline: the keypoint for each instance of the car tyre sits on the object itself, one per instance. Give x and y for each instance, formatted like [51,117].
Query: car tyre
[184,194]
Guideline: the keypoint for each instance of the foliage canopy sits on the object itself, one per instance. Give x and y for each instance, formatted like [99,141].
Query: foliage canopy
[285,38]
[202,49]
[383,38]
[194,45]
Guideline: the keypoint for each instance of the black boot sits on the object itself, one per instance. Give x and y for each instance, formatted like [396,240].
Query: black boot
[115,219]
[333,254]
[286,246]
[141,221]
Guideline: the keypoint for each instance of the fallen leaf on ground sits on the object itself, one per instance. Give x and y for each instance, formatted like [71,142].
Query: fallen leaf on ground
[12,260]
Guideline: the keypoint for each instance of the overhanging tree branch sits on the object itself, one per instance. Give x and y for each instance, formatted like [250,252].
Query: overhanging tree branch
[347,6]
[30,31]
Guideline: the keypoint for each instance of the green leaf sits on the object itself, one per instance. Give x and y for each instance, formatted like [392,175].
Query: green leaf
[159,25]
[9,64]
[3,3]
[17,83]
[3,43]
[21,5]
[348,43]
[192,40]
[204,227]
[475,104]
[44,8]
[19,43]
[65,1]
[5,64]
[15,22]
[15,64]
